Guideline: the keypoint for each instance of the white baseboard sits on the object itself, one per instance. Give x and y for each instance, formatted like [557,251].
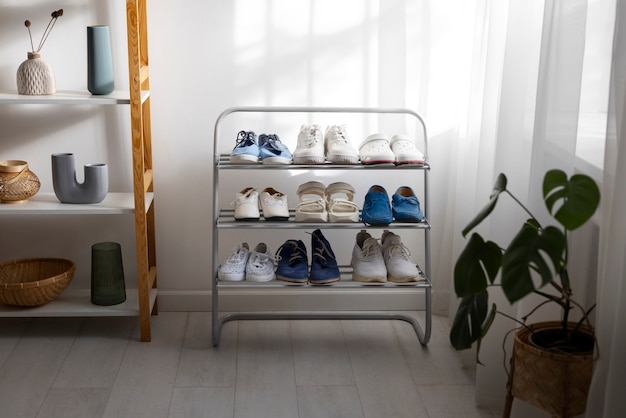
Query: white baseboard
[271,300]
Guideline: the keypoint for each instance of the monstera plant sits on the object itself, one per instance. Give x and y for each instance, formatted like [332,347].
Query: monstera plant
[534,261]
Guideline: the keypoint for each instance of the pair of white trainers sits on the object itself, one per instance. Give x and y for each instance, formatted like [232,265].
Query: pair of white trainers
[242,264]
[334,146]
[272,202]
[401,149]
[375,263]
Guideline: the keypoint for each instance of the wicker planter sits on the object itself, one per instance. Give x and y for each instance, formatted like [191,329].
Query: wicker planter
[556,382]
[34,281]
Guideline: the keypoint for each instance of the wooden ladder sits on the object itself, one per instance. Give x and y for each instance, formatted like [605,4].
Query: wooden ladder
[139,77]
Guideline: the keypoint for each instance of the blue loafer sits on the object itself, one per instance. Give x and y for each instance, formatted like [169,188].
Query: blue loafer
[406,206]
[377,209]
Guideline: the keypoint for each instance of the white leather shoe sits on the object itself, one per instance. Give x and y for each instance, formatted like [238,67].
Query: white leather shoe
[338,148]
[247,205]
[310,147]
[367,260]
[400,268]
[274,205]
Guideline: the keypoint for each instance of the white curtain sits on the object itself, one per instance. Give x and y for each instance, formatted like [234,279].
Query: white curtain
[531,112]
[609,386]
[502,86]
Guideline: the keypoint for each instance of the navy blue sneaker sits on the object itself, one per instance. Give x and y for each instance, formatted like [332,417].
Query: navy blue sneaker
[406,206]
[293,264]
[377,209]
[324,269]
[246,150]
[272,151]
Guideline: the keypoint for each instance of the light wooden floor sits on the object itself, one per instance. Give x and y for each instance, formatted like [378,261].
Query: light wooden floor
[96,367]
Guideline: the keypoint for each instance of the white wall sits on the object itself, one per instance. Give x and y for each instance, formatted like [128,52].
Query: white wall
[205,56]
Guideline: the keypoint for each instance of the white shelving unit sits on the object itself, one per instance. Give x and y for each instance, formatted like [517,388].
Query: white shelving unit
[224,222]
[142,300]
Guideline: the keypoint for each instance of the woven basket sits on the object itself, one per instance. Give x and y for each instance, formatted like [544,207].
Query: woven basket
[34,281]
[558,383]
[17,182]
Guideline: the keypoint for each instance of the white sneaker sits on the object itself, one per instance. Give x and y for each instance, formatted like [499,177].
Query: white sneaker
[375,150]
[260,266]
[310,147]
[274,205]
[400,268]
[404,150]
[247,205]
[338,148]
[234,269]
[367,261]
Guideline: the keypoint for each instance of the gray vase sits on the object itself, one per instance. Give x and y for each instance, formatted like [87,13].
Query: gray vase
[100,78]
[68,190]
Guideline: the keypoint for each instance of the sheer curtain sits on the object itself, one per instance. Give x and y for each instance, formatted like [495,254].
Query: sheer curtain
[525,120]
[499,83]
[608,387]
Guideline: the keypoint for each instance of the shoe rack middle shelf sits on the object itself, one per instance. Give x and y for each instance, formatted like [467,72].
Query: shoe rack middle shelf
[224,221]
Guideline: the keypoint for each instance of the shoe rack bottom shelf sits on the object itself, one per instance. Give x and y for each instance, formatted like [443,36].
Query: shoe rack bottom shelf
[422,332]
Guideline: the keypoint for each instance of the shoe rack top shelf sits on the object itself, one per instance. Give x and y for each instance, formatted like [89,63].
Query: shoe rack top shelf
[224,163]
[308,109]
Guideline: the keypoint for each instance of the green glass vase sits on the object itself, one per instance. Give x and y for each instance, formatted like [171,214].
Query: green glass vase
[107,274]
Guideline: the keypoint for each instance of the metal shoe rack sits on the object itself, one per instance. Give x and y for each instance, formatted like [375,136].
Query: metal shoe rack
[224,221]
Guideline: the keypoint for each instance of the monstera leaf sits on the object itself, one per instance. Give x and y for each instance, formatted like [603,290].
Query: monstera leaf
[573,202]
[531,250]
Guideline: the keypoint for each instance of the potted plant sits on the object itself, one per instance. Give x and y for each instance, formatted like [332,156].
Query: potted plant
[533,263]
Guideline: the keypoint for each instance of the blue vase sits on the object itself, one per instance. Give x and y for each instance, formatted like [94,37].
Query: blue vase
[100,78]
[68,190]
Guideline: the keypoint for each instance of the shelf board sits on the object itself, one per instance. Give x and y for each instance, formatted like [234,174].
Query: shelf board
[70,97]
[47,203]
[223,162]
[341,284]
[227,220]
[345,282]
[77,303]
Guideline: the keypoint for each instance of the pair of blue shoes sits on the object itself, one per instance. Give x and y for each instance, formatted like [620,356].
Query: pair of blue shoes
[293,263]
[268,149]
[404,206]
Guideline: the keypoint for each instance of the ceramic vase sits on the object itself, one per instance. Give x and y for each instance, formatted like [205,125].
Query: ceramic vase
[35,76]
[107,274]
[99,61]
[93,189]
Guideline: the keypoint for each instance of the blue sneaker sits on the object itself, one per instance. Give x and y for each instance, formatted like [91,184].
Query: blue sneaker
[377,209]
[246,150]
[293,264]
[324,269]
[405,206]
[272,151]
